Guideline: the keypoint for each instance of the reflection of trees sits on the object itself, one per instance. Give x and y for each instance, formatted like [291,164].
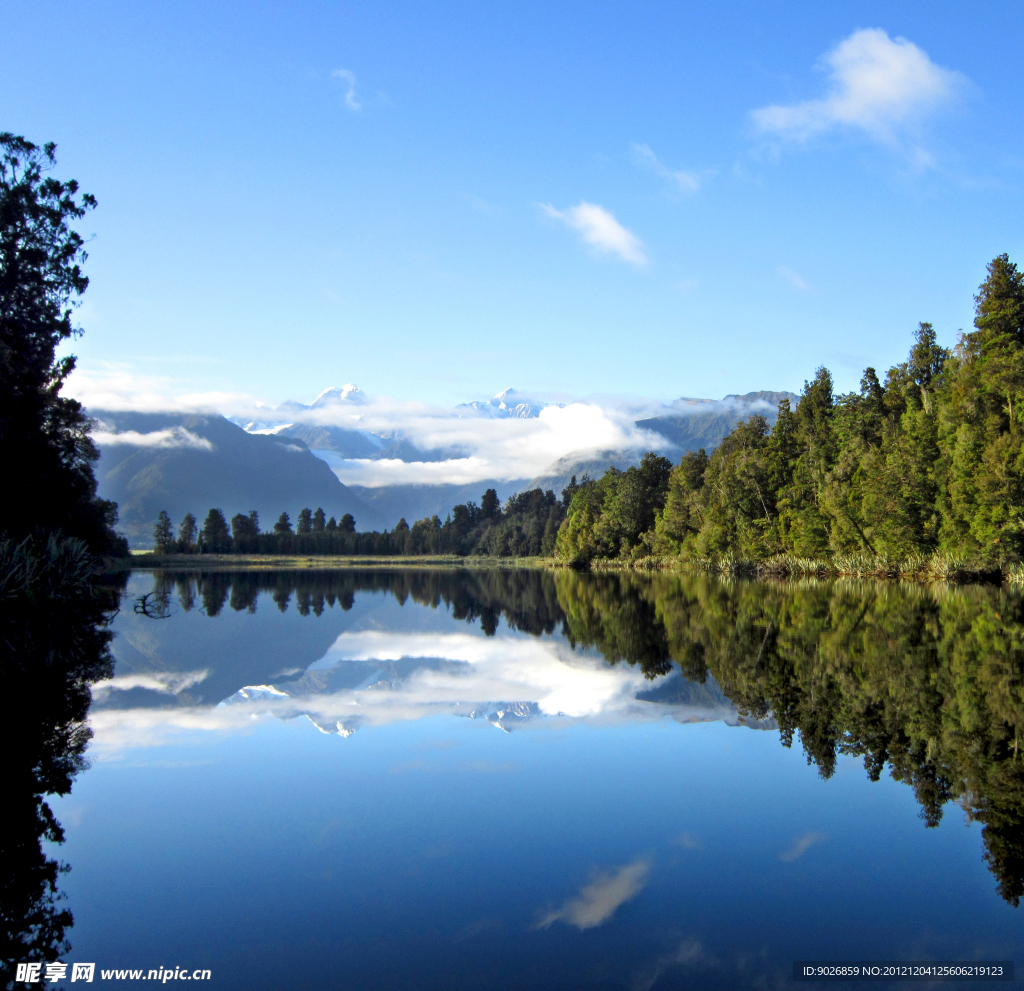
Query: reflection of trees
[926,680]
[53,645]
[527,600]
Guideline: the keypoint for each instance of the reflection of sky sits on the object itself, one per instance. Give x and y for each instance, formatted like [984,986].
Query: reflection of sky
[428,851]
[443,665]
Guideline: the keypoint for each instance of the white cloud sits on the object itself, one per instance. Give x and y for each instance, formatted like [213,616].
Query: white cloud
[793,278]
[597,901]
[800,846]
[110,386]
[173,437]
[351,101]
[879,85]
[685,182]
[167,682]
[599,228]
[493,448]
[482,447]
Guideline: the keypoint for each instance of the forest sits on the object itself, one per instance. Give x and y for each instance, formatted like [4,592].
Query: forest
[919,472]
[925,467]
[527,526]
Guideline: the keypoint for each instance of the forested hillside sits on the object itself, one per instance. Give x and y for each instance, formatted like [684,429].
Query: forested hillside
[927,460]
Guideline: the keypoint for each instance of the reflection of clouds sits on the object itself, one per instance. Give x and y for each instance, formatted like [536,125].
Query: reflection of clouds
[508,680]
[801,845]
[546,672]
[597,901]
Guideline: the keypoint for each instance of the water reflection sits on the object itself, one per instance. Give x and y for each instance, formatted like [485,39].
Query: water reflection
[926,681]
[54,644]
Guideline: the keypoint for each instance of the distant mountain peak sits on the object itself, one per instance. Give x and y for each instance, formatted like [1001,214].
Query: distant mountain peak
[336,395]
[509,403]
[339,394]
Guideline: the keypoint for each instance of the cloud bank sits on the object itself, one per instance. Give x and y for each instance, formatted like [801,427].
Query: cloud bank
[459,445]
[173,437]
[599,228]
[880,86]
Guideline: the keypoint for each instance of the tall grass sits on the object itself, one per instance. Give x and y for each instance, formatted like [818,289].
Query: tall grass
[939,567]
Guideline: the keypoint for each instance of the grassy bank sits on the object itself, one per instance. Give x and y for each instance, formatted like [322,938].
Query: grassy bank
[937,568]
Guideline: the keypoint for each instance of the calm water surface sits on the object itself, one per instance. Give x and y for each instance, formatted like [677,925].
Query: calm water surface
[522,780]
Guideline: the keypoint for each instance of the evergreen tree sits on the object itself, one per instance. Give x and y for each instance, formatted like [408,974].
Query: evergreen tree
[318,521]
[304,524]
[44,436]
[245,527]
[332,525]
[283,524]
[215,536]
[347,524]
[569,491]
[187,533]
[490,506]
[163,533]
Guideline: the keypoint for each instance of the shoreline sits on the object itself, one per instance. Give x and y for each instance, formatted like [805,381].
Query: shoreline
[929,571]
[148,561]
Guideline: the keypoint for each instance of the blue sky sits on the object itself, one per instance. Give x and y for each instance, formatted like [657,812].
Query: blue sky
[297,195]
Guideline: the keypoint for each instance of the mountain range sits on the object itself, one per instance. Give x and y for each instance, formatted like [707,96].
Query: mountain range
[290,457]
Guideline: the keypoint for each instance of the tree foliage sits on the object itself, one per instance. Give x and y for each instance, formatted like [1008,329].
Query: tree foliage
[930,460]
[44,435]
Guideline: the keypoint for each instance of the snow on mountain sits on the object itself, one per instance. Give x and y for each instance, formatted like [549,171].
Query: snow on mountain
[350,393]
[506,404]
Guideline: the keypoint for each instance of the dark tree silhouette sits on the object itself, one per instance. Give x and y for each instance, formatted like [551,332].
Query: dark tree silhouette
[163,533]
[44,436]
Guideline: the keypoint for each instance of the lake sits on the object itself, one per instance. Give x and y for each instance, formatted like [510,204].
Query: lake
[524,779]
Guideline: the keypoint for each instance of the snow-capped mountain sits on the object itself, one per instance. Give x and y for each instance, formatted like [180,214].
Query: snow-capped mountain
[335,396]
[350,394]
[506,404]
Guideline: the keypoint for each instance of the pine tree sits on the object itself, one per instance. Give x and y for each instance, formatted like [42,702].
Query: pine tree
[283,524]
[490,506]
[163,533]
[347,524]
[215,536]
[318,521]
[304,524]
[187,533]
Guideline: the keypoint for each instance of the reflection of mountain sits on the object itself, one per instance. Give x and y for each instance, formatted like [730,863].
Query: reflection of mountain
[222,650]
[286,460]
[927,682]
[194,463]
